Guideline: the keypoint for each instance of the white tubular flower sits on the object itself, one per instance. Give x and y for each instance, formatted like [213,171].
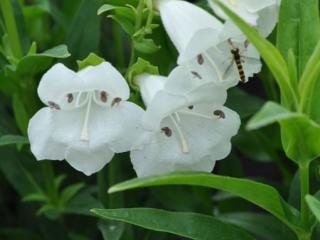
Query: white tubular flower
[87,119]
[262,14]
[204,44]
[189,129]
[190,28]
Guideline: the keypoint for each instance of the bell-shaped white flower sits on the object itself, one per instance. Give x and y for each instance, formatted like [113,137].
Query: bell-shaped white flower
[190,28]
[87,119]
[263,15]
[188,127]
[205,45]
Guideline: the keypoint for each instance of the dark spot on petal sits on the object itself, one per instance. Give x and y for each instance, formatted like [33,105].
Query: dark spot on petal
[116,101]
[167,131]
[191,107]
[104,96]
[53,105]
[219,114]
[69,97]
[196,75]
[200,59]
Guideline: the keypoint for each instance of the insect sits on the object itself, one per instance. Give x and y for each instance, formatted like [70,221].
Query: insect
[238,59]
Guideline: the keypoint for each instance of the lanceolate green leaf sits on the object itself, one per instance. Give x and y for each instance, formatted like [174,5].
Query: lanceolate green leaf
[12,139]
[309,86]
[300,135]
[314,205]
[190,225]
[299,20]
[270,55]
[259,194]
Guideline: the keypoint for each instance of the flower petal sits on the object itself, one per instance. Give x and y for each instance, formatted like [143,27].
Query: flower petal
[199,43]
[149,85]
[180,92]
[88,160]
[208,140]
[182,20]
[121,128]
[105,77]
[56,84]
[39,131]
[268,19]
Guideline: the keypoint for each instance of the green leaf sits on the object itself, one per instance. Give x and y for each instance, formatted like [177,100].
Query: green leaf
[314,205]
[20,177]
[20,113]
[261,225]
[269,114]
[91,60]
[13,139]
[69,192]
[309,86]
[146,46]
[259,194]
[140,67]
[190,225]
[35,63]
[293,126]
[123,15]
[270,55]
[35,197]
[298,21]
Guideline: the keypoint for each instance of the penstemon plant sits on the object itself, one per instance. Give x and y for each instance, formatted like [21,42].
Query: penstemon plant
[212,106]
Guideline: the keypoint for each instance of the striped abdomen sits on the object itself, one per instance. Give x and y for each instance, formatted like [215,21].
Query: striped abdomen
[238,61]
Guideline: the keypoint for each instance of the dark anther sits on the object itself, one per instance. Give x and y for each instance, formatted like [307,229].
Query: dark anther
[104,96]
[191,107]
[196,75]
[69,97]
[116,101]
[219,114]
[200,59]
[54,105]
[167,131]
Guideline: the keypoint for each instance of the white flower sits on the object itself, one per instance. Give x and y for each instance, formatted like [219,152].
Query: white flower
[205,45]
[87,119]
[188,127]
[190,28]
[262,14]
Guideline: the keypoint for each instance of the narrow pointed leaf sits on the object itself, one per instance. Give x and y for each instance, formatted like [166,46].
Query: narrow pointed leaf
[189,225]
[259,194]
[309,86]
[12,139]
[298,21]
[314,205]
[293,126]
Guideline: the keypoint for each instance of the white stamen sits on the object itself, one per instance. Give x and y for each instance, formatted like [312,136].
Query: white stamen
[199,115]
[214,65]
[177,116]
[85,131]
[184,143]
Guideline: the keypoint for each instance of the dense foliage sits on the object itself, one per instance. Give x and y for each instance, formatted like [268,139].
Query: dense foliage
[267,187]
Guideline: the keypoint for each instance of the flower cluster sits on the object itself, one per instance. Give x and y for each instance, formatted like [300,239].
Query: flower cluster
[185,125]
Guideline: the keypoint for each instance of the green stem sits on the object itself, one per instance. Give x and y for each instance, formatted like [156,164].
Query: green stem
[115,200]
[48,175]
[103,186]
[11,28]
[304,185]
[137,26]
